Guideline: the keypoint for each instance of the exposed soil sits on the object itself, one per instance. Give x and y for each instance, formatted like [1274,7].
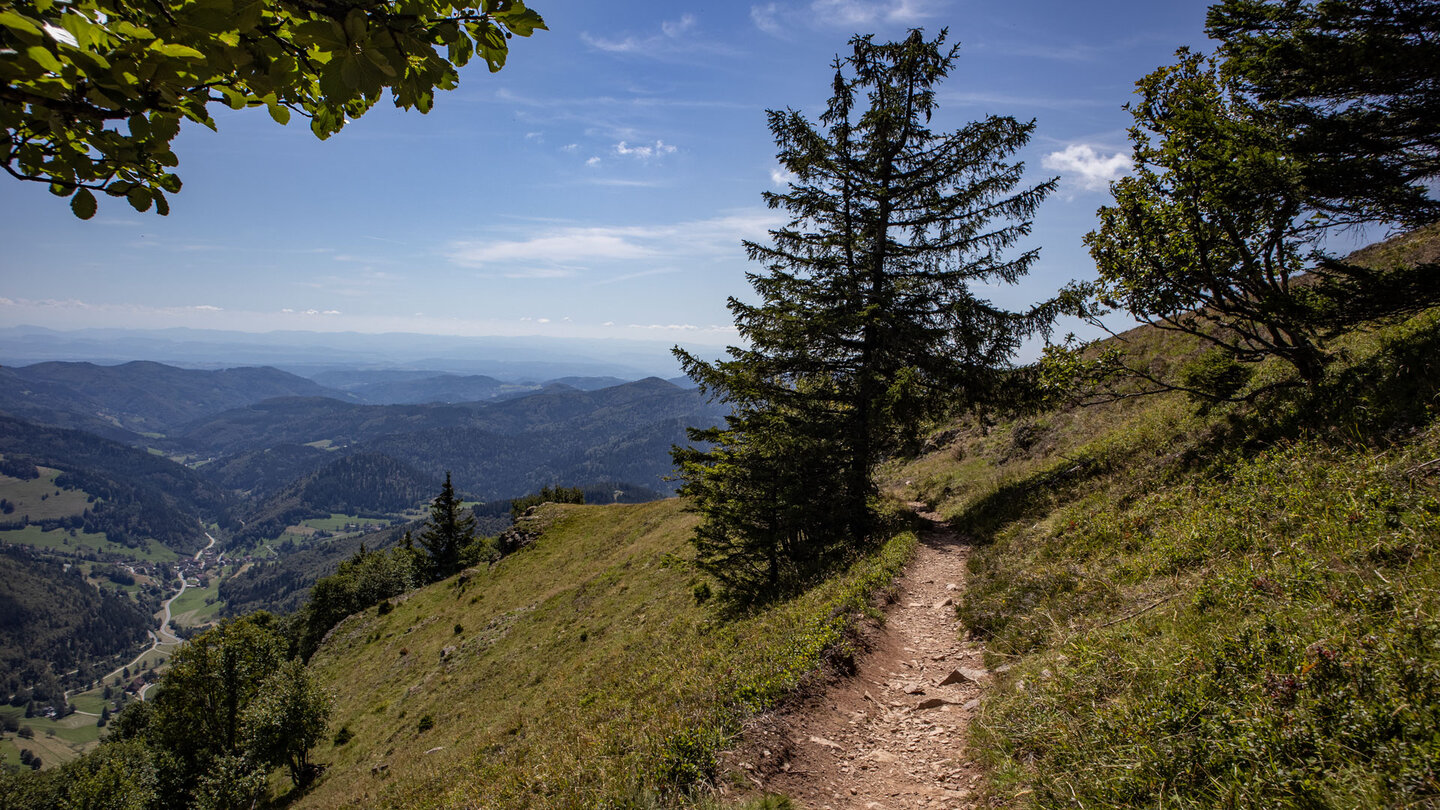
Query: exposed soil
[893,735]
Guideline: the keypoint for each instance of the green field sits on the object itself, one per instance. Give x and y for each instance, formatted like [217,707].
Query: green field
[60,540]
[191,609]
[337,522]
[40,499]
[55,742]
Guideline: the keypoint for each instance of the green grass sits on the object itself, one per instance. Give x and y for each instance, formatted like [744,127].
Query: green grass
[190,608]
[337,522]
[59,540]
[1235,607]
[55,742]
[40,498]
[583,674]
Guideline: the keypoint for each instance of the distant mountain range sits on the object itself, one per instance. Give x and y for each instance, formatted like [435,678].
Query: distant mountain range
[258,430]
[140,397]
[511,359]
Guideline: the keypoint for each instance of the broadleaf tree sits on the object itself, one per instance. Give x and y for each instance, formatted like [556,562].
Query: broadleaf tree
[866,324]
[95,91]
[1207,235]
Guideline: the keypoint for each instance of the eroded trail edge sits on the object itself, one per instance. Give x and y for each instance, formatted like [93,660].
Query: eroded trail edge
[893,735]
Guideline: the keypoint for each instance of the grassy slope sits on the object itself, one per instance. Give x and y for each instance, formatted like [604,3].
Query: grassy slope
[1235,607]
[579,672]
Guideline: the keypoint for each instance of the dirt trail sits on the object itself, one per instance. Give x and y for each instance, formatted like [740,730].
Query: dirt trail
[894,735]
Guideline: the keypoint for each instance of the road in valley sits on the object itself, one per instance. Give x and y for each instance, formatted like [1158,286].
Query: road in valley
[158,636]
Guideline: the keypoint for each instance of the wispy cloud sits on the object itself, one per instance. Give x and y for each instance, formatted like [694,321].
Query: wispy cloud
[1086,167]
[552,252]
[778,19]
[782,177]
[679,37]
[644,151]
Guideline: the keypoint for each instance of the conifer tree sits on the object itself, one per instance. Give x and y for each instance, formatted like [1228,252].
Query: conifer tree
[450,528]
[867,326]
[1357,85]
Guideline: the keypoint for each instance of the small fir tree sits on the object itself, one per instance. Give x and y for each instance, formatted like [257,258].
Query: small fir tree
[450,528]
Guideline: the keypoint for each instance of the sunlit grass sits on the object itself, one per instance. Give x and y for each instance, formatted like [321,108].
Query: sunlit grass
[580,672]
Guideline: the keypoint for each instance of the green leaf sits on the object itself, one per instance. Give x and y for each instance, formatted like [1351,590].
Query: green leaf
[16,22]
[355,27]
[139,198]
[162,206]
[175,50]
[44,58]
[234,98]
[522,21]
[83,204]
[279,112]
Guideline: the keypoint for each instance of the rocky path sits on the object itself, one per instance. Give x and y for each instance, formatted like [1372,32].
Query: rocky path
[894,735]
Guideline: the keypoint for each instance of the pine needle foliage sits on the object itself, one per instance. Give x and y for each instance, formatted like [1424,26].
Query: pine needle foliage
[866,325]
[450,529]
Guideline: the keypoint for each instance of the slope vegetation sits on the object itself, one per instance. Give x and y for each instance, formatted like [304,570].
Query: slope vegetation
[1195,606]
[586,670]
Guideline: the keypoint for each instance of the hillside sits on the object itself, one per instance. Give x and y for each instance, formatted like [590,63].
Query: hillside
[52,620]
[494,450]
[1228,605]
[582,671]
[140,397]
[132,496]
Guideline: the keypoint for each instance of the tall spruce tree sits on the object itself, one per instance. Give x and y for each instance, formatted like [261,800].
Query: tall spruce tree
[866,325]
[450,528]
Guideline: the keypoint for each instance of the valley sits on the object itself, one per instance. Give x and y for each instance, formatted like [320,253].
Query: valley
[191,495]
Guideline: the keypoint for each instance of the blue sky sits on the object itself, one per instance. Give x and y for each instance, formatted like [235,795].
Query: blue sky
[598,186]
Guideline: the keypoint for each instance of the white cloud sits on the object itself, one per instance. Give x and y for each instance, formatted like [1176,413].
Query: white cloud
[670,30]
[540,272]
[782,177]
[677,38]
[553,252]
[764,18]
[593,160]
[1087,167]
[643,151]
[207,308]
[678,27]
[570,147]
[776,18]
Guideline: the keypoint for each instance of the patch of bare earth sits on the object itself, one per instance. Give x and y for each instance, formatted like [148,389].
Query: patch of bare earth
[893,735]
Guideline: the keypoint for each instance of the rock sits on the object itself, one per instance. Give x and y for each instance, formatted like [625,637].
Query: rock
[437,749]
[971,705]
[952,587]
[932,703]
[964,675]
[825,742]
[448,651]
[881,755]
[946,602]
[914,689]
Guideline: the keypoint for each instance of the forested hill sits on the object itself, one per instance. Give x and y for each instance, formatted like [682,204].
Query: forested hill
[52,621]
[494,450]
[140,397]
[138,496]
[361,484]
